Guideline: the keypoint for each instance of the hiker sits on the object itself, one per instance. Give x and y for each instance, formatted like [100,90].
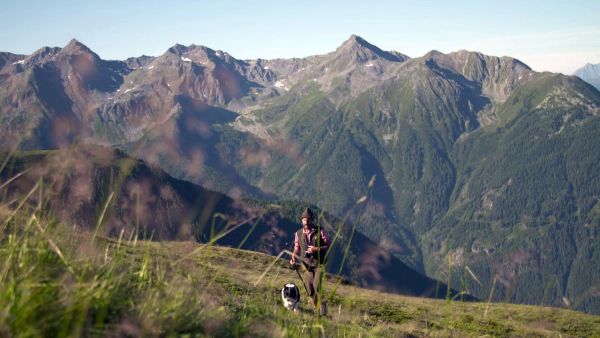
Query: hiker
[310,247]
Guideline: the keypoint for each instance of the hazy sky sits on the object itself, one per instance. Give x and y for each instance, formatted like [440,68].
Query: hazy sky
[558,36]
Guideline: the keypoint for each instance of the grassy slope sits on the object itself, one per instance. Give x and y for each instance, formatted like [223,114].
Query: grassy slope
[56,282]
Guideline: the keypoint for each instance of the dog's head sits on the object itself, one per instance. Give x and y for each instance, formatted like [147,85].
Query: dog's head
[290,294]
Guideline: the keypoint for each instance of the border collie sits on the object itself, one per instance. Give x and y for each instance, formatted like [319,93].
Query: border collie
[290,294]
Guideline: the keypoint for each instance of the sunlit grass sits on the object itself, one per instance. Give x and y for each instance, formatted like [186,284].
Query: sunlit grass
[56,282]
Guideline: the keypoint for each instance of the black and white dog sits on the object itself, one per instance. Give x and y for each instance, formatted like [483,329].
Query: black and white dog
[290,294]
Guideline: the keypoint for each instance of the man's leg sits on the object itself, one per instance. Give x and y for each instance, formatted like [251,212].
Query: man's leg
[310,286]
[320,299]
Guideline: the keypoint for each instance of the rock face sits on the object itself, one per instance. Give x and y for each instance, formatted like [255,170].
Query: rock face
[137,62]
[462,157]
[590,73]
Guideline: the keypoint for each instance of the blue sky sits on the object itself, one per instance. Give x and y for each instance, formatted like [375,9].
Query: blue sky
[547,35]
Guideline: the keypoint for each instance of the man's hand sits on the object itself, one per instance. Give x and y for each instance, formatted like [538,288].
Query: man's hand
[312,249]
[293,264]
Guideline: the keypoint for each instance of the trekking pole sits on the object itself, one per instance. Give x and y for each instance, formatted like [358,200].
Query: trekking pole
[296,267]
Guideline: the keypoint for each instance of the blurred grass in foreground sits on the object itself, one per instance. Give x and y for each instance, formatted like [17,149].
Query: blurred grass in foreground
[58,282]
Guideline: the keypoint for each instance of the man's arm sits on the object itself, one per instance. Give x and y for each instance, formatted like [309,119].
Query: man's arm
[296,249]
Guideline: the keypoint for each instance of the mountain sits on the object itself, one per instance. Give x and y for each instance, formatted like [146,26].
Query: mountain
[58,96]
[97,189]
[478,161]
[383,132]
[56,89]
[9,58]
[478,170]
[590,73]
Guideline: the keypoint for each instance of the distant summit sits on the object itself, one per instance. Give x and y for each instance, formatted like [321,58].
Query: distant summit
[74,46]
[590,73]
[357,45]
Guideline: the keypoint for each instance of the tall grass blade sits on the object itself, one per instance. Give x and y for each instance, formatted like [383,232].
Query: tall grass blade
[35,187]
[487,307]
[13,178]
[101,218]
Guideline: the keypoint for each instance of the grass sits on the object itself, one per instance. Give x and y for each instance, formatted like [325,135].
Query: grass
[58,282]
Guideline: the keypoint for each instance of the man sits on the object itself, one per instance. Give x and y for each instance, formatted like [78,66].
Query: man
[310,247]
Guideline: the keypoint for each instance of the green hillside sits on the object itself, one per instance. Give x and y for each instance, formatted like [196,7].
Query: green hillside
[56,282]
[527,199]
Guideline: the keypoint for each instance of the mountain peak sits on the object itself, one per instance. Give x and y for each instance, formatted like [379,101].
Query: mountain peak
[76,47]
[74,44]
[356,41]
[433,53]
[356,44]
[180,49]
[588,65]
[590,73]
